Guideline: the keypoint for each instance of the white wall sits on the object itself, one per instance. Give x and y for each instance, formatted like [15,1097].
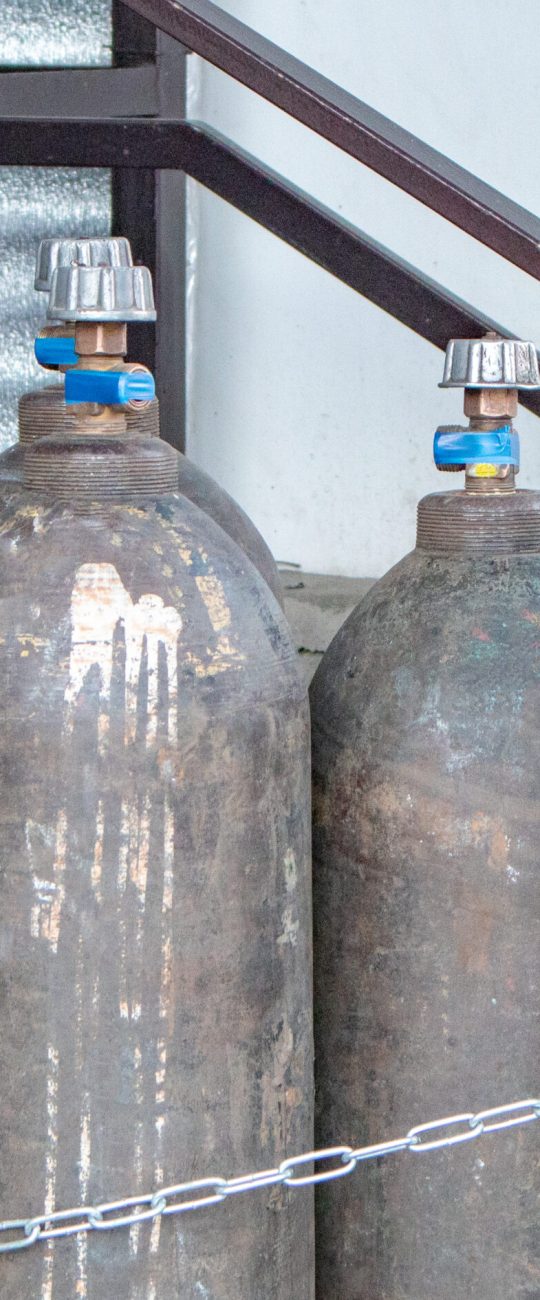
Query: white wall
[311,406]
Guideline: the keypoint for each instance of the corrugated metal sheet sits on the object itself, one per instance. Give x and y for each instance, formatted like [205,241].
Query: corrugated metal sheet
[36,203]
[55,32]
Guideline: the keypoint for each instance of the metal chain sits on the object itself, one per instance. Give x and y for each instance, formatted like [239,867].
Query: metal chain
[180,1198]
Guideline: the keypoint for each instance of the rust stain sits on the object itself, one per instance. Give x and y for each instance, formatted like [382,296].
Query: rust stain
[473,927]
[489,834]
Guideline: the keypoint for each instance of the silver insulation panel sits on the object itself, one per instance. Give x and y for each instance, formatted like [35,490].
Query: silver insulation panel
[36,203]
[55,33]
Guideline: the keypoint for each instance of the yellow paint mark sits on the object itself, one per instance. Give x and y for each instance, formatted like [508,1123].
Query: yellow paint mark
[221,660]
[25,512]
[185,552]
[36,642]
[213,595]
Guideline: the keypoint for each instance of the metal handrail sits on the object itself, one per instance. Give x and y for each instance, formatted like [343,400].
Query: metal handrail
[333,243]
[409,163]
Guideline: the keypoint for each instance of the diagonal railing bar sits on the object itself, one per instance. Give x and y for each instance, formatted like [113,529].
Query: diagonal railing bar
[411,164]
[335,244]
[260,193]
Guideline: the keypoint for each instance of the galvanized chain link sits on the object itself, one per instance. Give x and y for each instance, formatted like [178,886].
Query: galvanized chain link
[204,1192]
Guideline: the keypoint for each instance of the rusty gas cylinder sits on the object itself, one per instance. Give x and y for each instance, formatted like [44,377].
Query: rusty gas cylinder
[155,921]
[426,716]
[44,409]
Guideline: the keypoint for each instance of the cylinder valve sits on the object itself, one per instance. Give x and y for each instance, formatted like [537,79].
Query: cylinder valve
[492,370]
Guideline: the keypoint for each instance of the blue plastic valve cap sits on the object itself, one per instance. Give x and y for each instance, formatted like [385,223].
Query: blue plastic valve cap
[475,447]
[55,351]
[109,387]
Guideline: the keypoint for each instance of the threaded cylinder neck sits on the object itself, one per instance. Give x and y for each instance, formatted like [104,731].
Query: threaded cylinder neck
[44,412]
[495,523]
[491,486]
[144,423]
[83,470]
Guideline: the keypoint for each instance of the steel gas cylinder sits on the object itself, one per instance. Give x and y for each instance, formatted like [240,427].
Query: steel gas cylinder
[44,409]
[154,843]
[426,717]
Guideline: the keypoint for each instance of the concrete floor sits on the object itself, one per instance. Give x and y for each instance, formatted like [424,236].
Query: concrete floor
[316,606]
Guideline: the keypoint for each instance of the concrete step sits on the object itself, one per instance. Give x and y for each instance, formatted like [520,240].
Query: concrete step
[316,605]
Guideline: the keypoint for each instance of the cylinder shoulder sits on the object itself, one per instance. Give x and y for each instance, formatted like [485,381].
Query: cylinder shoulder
[461,631]
[214,500]
[163,557]
[11,464]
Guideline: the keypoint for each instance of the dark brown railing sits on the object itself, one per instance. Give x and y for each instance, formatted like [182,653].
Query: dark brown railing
[155,141]
[352,125]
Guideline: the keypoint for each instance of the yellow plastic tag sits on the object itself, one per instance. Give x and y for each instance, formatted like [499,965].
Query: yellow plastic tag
[483,471]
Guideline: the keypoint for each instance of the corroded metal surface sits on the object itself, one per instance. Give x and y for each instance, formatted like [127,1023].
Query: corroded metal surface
[426,716]
[203,490]
[155,920]
[85,469]
[44,411]
[468,522]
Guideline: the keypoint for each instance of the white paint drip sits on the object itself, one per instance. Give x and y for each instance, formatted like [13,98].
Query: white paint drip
[289,934]
[139,860]
[291,873]
[51,1162]
[85,1151]
[46,912]
[135,1230]
[99,604]
[129,838]
[97,865]
[165,1002]
[156,1225]
[165,1010]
